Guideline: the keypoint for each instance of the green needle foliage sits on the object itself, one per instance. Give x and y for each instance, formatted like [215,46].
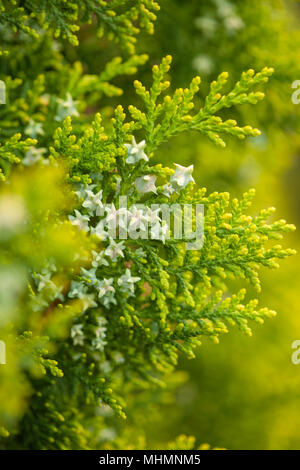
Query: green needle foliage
[117,18]
[94,320]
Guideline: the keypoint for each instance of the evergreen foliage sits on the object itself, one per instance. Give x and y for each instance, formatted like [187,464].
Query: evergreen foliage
[117,18]
[89,321]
